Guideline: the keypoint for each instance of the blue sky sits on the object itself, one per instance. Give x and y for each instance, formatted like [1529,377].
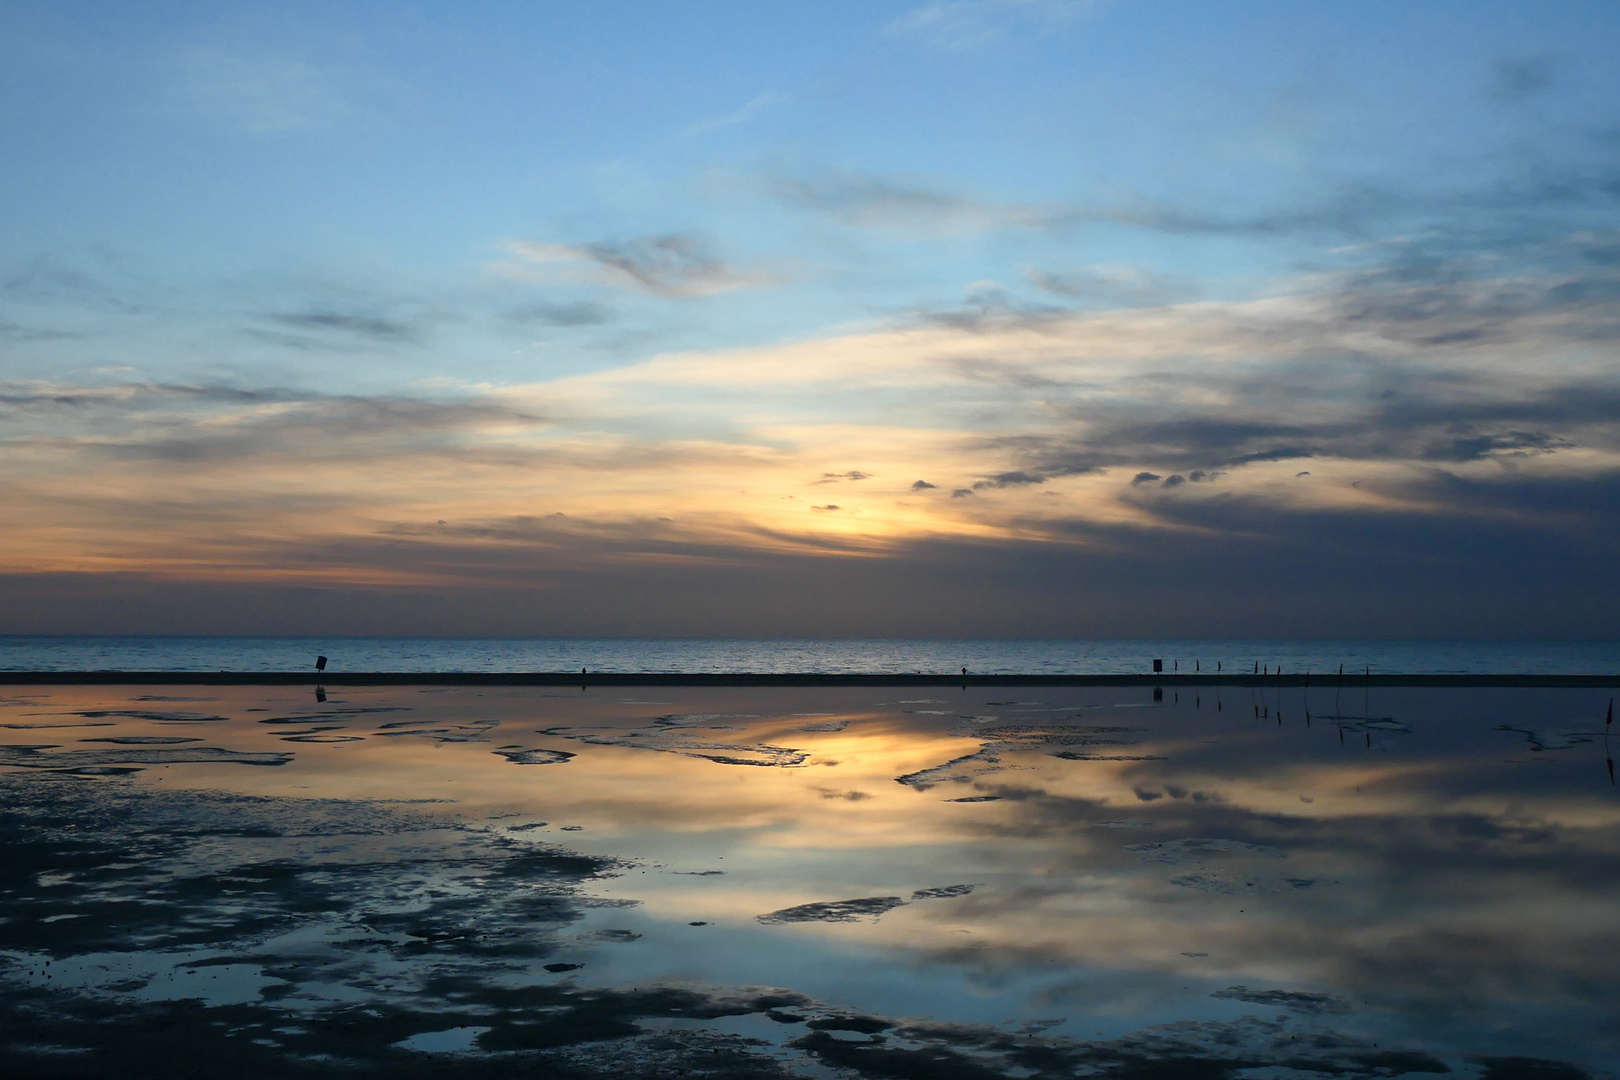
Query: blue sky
[579,234]
[218,150]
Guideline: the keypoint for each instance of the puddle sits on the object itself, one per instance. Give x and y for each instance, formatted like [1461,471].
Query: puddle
[456,1040]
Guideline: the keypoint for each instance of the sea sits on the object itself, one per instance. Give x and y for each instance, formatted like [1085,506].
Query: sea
[804,655]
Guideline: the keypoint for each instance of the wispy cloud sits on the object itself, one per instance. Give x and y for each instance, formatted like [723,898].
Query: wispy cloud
[1107,285]
[1531,200]
[863,198]
[1061,429]
[51,280]
[1514,78]
[671,265]
[767,99]
[1399,384]
[570,313]
[259,93]
[870,199]
[958,25]
[349,325]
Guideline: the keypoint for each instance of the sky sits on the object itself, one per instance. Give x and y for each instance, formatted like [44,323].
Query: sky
[951,318]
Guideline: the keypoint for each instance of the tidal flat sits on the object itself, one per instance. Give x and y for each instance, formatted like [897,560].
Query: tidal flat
[990,882]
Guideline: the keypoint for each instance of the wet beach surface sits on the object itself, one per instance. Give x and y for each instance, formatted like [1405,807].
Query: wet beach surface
[823,882]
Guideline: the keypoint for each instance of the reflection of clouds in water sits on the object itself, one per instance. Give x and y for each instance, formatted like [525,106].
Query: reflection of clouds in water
[1434,857]
[1549,738]
[923,779]
[39,757]
[834,910]
[1012,738]
[840,911]
[1194,848]
[661,735]
[144,714]
[1190,1049]
[1292,1000]
[519,756]
[1196,852]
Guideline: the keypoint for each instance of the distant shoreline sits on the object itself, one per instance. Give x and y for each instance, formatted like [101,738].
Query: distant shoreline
[608,679]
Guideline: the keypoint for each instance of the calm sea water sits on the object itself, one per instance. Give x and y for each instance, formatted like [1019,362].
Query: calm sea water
[795,656]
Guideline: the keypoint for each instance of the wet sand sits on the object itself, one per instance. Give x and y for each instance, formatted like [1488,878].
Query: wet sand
[818,880]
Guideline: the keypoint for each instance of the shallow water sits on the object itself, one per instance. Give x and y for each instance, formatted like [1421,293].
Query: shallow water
[809,882]
[789,656]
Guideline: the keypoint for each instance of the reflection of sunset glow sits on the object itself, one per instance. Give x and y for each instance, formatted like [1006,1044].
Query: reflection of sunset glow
[624,795]
[1173,853]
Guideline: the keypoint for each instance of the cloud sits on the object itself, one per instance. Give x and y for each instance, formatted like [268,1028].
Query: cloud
[922,485]
[960,25]
[867,199]
[988,309]
[1371,366]
[670,265]
[349,325]
[49,279]
[1533,200]
[1457,573]
[1008,479]
[19,332]
[765,100]
[576,313]
[1108,285]
[1402,380]
[259,93]
[214,424]
[1516,77]
[864,198]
